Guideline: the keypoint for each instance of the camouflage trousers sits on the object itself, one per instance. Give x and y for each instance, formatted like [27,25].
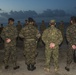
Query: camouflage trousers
[70,52]
[49,54]
[10,55]
[30,52]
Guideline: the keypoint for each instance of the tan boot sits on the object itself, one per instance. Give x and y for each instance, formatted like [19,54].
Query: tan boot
[56,69]
[47,69]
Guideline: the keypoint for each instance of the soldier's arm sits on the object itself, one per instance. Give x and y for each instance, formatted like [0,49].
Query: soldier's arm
[44,36]
[38,34]
[68,36]
[21,34]
[59,38]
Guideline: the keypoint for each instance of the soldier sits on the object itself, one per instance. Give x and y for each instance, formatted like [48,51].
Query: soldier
[9,35]
[42,28]
[26,23]
[19,27]
[30,34]
[52,38]
[71,38]
[1,28]
[61,28]
[35,25]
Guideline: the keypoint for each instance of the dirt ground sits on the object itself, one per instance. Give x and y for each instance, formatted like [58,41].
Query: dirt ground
[40,61]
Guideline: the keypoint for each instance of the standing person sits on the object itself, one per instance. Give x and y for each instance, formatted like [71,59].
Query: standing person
[9,35]
[35,24]
[30,35]
[26,23]
[71,38]
[19,27]
[52,38]
[61,28]
[42,27]
[1,28]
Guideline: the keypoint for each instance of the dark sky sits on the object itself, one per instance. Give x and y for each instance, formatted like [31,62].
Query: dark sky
[38,9]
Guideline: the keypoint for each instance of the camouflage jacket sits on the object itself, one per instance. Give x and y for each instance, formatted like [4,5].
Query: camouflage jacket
[71,34]
[29,32]
[10,32]
[19,27]
[42,28]
[52,35]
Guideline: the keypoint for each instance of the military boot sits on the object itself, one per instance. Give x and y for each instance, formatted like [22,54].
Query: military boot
[17,67]
[66,68]
[6,67]
[29,67]
[33,67]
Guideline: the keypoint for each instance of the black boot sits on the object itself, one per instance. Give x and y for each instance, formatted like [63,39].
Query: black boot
[33,67]
[66,68]
[28,67]
[6,67]
[17,67]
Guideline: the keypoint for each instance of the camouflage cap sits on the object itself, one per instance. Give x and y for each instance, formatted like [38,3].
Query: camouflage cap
[52,21]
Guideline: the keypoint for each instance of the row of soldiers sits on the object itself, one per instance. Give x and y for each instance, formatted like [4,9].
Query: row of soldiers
[51,36]
[41,28]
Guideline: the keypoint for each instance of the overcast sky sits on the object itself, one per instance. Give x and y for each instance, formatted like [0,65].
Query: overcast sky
[22,9]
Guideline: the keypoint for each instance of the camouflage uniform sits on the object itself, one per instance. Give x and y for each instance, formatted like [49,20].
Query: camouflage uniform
[10,48]
[35,25]
[19,27]
[1,28]
[52,35]
[26,23]
[61,28]
[42,28]
[71,38]
[29,33]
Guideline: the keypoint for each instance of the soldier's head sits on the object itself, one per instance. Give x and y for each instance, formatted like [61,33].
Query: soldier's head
[73,19]
[42,21]
[25,21]
[30,20]
[52,22]
[1,25]
[19,22]
[11,21]
[61,22]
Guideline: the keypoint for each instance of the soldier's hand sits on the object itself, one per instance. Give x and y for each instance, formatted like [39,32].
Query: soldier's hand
[52,45]
[38,35]
[8,40]
[73,46]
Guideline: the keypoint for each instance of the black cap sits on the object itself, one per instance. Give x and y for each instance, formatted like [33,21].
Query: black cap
[11,19]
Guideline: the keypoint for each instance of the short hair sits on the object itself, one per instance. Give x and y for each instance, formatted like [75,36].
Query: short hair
[73,18]
[30,19]
[11,19]
[18,21]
